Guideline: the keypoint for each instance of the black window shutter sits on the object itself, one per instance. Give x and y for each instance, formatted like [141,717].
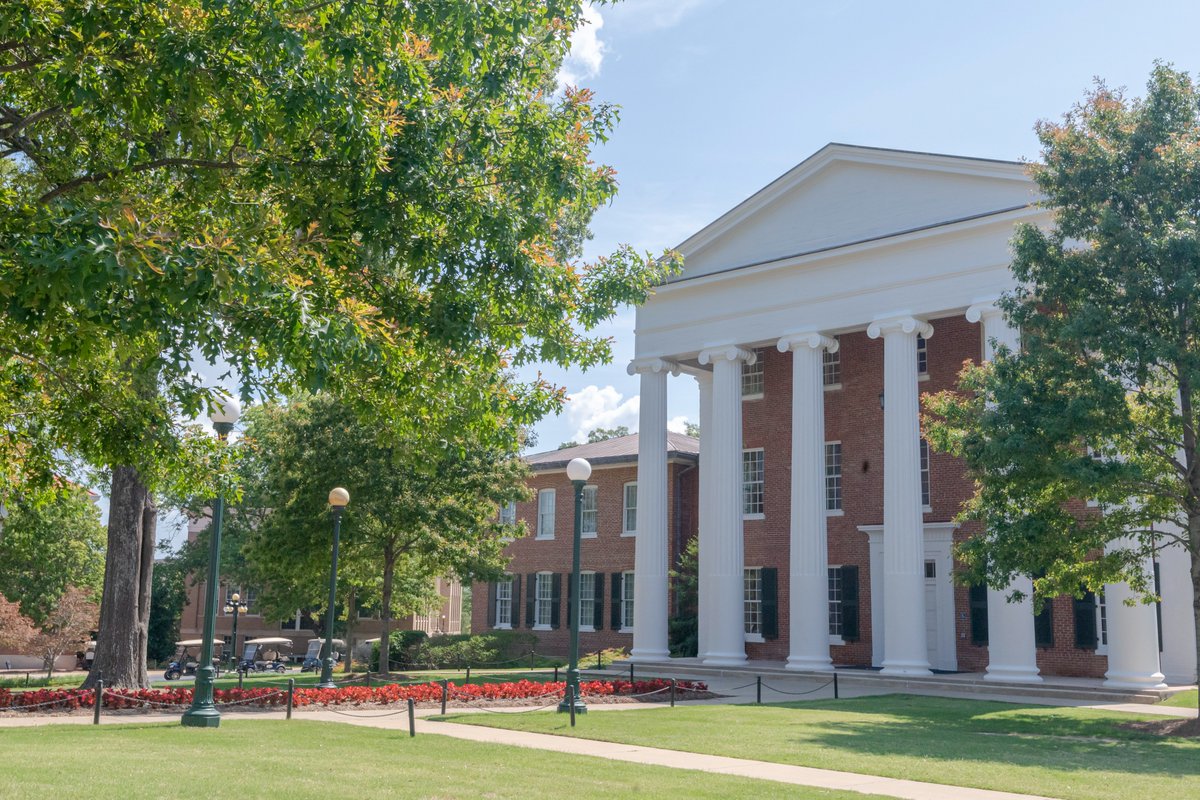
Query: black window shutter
[530,599]
[770,602]
[555,600]
[1043,625]
[570,609]
[615,615]
[491,623]
[598,594]
[979,614]
[850,603]
[1085,621]
[515,610]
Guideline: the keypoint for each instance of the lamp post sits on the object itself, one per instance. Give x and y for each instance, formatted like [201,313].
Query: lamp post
[234,606]
[203,713]
[579,470]
[338,499]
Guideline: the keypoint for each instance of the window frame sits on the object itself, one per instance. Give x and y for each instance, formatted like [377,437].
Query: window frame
[831,368]
[594,491]
[922,358]
[833,480]
[926,472]
[540,602]
[752,604]
[834,602]
[626,508]
[504,603]
[587,580]
[756,373]
[508,513]
[628,599]
[748,503]
[542,513]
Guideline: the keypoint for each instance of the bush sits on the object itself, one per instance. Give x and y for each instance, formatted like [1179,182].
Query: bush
[492,649]
[402,649]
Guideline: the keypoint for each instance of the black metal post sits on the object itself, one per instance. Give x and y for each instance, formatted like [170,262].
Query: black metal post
[631,677]
[445,693]
[556,673]
[327,659]
[241,675]
[672,692]
[571,703]
[412,719]
[291,696]
[572,695]
[835,686]
[758,690]
[99,700]
[468,679]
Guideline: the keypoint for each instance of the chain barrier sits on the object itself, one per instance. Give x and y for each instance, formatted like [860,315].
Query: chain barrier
[127,699]
[744,686]
[647,694]
[60,702]
[248,700]
[365,716]
[798,694]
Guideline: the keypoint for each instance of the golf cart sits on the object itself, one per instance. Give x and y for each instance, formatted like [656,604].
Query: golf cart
[185,663]
[312,658]
[262,655]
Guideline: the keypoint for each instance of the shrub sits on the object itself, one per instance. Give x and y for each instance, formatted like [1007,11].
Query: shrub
[495,649]
[402,651]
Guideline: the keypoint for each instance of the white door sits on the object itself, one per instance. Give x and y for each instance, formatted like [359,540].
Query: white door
[931,613]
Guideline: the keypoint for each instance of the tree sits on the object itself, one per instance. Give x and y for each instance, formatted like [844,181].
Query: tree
[49,544]
[599,435]
[691,429]
[421,507]
[385,201]
[67,627]
[17,631]
[1103,402]
[168,596]
[684,625]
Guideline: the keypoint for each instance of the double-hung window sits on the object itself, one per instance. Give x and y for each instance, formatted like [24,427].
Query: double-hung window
[627,601]
[835,601]
[831,368]
[545,523]
[508,513]
[587,601]
[543,612]
[753,380]
[629,517]
[589,509]
[922,356]
[752,610]
[925,492]
[752,483]
[504,602]
[833,476]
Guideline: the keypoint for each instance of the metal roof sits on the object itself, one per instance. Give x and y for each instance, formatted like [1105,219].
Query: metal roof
[613,451]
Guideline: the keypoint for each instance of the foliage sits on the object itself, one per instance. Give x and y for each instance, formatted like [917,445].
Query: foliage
[1103,402]
[67,628]
[692,429]
[403,650]
[684,625]
[48,544]
[168,596]
[490,649]
[603,658]
[599,435]
[17,631]
[385,201]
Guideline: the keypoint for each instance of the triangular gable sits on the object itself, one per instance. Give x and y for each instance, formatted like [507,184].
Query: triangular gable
[845,194]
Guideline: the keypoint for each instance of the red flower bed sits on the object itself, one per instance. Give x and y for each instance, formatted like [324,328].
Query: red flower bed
[60,699]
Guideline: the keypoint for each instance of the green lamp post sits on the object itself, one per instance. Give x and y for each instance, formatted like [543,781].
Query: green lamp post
[579,470]
[203,712]
[338,499]
[234,606]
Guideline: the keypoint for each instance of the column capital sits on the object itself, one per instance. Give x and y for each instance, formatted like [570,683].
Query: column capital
[900,324]
[726,352]
[810,339]
[984,310]
[652,364]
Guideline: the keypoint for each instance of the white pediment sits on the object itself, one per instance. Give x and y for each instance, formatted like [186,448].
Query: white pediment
[844,195]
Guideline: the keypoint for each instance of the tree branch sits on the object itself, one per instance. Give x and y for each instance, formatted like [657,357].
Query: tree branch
[21,66]
[30,120]
[97,177]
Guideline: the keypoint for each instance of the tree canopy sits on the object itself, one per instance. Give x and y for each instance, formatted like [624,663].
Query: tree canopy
[1103,401]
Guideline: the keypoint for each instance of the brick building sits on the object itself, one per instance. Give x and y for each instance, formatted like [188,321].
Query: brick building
[812,316]
[535,596]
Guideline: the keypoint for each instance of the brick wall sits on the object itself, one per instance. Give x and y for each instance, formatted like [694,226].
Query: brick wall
[608,553]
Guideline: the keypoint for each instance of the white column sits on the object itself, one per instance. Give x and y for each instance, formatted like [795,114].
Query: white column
[705,382]
[1012,647]
[904,638]
[1179,627]
[722,565]
[650,547]
[808,564]
[1132,635]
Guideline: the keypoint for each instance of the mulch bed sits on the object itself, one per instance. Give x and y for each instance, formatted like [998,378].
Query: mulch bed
[1166,727]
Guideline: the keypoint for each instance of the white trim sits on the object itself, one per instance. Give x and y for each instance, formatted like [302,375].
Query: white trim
[748,397]
[541,628]
[753,517]
[754,638]
[836,640]
[835,512]
[832,387]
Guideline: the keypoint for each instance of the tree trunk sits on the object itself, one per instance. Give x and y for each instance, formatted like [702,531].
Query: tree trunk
[351,618]
[385,613]
[128,570]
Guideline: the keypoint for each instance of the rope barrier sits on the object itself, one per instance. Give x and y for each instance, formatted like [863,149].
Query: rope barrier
[59,702]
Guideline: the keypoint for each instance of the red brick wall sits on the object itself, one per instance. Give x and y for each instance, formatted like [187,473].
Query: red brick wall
[609,552]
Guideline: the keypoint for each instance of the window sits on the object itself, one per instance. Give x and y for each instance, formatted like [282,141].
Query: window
[925,494]
[543,606]
[752,378]
[922,355]
[753,601]
[1101,624]
[504,603]
[587,601]
[832,367]
[833,476]
[630,515]
[545,526]
[508,513]
[752,482]
[627,601]
[588,508]
[835,601]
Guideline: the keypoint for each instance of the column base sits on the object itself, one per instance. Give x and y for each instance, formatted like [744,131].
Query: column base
[917,668]
[645,654]
[203,717]
[1014,674]
[723,659]
[1134,680]
[805,664]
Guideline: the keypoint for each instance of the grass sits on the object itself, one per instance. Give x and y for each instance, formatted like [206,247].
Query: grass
[273,679]
[41,682]
[304,760]
[1186,699]
[1072,753]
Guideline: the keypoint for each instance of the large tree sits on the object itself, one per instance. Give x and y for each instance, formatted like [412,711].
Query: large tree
[1103,401]
[382,200]
[422,506]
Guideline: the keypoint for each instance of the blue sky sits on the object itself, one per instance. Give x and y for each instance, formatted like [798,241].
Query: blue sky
[719,97]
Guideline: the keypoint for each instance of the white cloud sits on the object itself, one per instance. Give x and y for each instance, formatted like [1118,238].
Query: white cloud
[653,15]
[678,424]
[593,407]
[587,51]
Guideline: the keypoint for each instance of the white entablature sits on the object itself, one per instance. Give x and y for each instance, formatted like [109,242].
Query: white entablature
[850,234]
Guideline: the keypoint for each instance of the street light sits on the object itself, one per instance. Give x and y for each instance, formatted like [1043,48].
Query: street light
[203,712]
[235,605]
[579,470]
[338,499]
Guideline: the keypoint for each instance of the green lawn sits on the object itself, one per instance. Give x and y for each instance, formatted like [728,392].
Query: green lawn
[1181,700]
[40,681]
[319,760]
[1077,754]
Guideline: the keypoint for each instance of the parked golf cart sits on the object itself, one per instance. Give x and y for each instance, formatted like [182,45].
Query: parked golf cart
[185,663]
[263,655]
[312,658]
